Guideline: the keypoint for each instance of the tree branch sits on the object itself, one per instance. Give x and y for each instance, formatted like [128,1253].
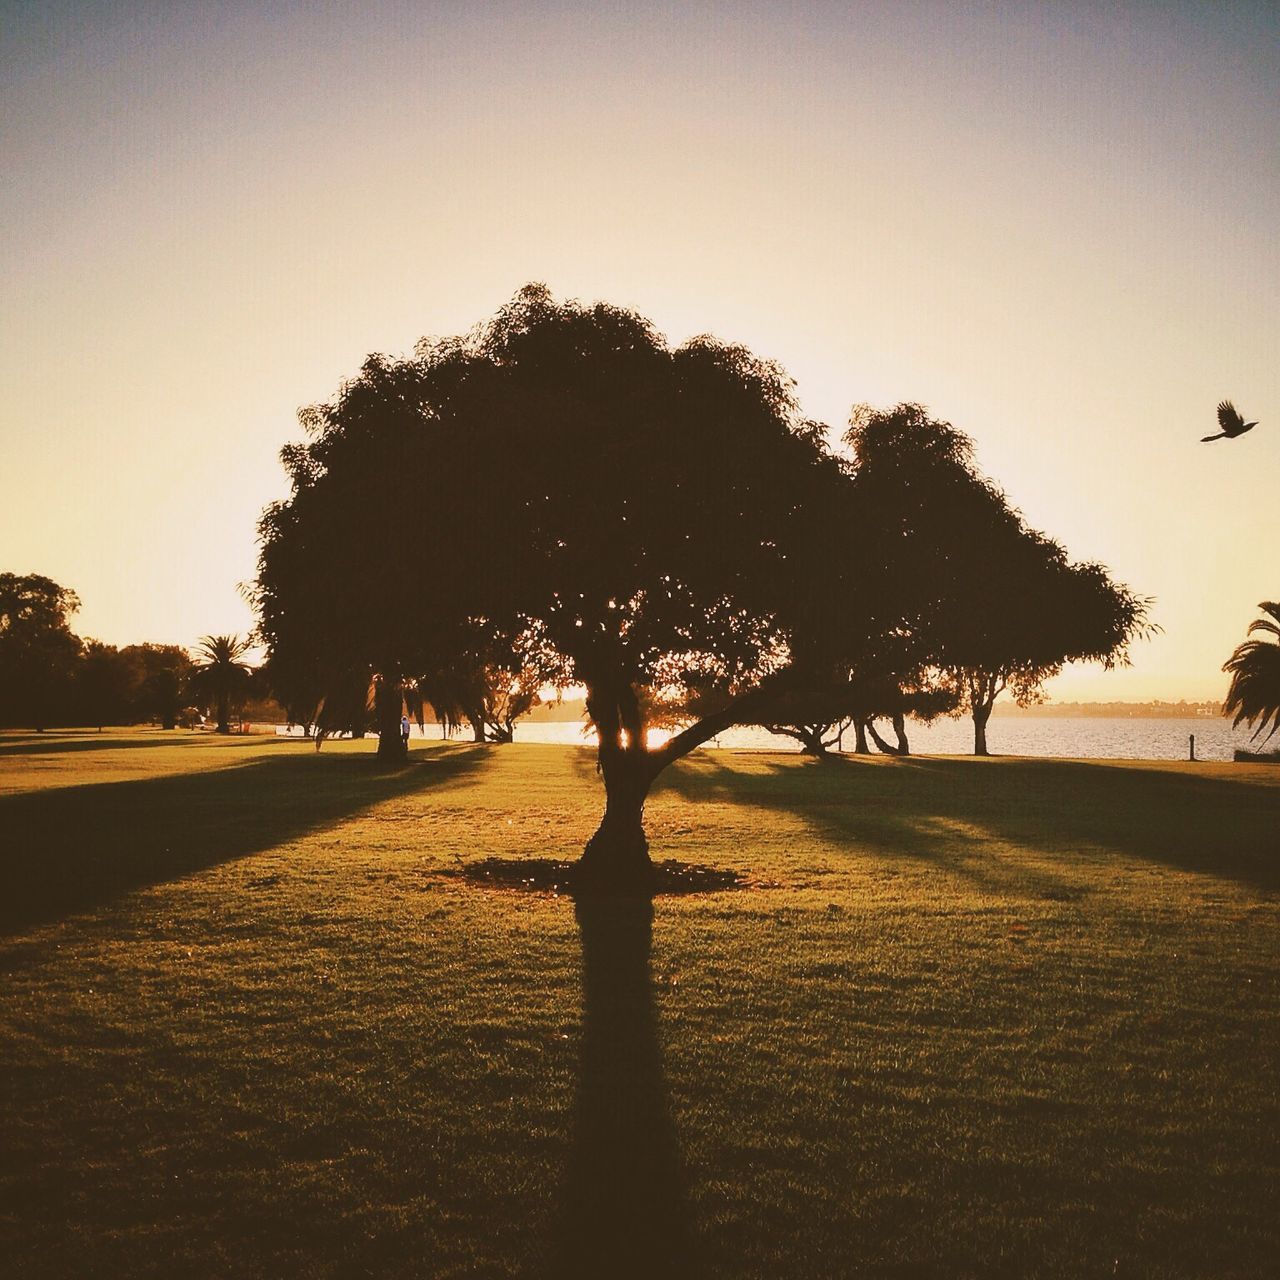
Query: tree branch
[741,710]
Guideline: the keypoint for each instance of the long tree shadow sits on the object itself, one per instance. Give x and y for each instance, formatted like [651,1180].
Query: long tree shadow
[54,743]
[924,808]
[624,1211]
[72,848]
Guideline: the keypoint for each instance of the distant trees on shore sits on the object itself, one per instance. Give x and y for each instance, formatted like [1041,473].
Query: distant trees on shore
[50,677]
[663,527]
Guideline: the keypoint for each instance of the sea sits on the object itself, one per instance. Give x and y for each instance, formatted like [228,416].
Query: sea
[1070,737]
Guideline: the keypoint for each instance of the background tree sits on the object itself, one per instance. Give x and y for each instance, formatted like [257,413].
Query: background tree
[1254,667]
[960,585]
[221,676]
[491,681]
[162,673]
[348,704]
[651,515]
[296,684]
[38,650]
[814,719]
[924,698]
[105,686]
[347,564]
[1023,612]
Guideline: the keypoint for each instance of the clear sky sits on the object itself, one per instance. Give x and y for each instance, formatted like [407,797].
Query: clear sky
[1055,224]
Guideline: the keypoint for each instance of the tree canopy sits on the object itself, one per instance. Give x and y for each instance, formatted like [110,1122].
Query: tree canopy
[962,585]
[560,495]
[38,650]
[221,675]
[657,518]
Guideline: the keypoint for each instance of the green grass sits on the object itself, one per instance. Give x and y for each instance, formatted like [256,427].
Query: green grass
[992,1018]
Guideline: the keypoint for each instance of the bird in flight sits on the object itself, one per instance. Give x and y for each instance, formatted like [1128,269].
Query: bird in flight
[1231,422]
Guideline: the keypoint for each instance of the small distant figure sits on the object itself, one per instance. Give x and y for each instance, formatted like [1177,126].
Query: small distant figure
[1231,422]
[404,730]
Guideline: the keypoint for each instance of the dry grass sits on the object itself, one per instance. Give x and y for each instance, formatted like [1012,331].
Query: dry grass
[998,1018]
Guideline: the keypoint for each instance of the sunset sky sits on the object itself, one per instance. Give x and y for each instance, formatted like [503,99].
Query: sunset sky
[1054,224]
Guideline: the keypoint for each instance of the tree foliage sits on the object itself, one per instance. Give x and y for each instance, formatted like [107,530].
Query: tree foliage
[1254,694]
[490,682]
[221,676]
[50,676]
[962,584]
[161,675]
[659,525]
[39,652]
[653,516]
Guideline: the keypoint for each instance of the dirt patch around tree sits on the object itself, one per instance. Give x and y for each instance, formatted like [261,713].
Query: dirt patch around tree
[555,876]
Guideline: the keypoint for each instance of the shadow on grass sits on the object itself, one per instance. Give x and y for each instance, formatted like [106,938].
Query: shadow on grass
[56,742]
[624,1210]
[74,848]
[948,810]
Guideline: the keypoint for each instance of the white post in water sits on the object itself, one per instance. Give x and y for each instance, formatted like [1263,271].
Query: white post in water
[1192,756]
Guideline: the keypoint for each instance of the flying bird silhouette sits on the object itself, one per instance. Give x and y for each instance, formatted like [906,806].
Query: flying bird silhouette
[1231,422]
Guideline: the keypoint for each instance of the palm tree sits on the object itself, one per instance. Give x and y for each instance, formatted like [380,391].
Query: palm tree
[221,674]
[1255,676]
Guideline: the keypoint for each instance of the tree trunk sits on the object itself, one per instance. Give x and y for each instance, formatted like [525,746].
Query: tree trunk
[900,729]
[879,741]
[811,743]
[392,748]
[981,714]
[860,746]
[616,859]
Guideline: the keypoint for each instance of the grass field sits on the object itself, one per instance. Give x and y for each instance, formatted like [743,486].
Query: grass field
[977,1018]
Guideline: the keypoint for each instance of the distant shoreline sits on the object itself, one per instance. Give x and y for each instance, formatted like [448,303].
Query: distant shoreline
[1116,710]
[572,709]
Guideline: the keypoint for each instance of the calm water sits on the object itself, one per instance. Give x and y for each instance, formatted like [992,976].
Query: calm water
[1070,736]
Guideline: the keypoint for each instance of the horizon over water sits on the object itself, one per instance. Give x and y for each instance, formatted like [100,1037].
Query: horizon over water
[1064,737]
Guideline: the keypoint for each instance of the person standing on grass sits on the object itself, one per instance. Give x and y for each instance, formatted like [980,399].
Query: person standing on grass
[404,730]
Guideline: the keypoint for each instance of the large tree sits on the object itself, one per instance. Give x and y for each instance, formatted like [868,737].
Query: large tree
[350,570]
[1025,611]
[39,652]
[106,686]
[658,517]
[962,586]
[162,674]
[1254,667]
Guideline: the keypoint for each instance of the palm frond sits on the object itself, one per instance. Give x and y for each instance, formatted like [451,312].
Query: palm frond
[1254,694]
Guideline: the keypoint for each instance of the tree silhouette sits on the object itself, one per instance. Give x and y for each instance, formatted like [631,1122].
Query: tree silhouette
[220,674]
[161,675]
[1254,693]
[38,650]
[1025,611]
[346,587]
[106,685]
[490,682]
[657,518]
[961,585]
